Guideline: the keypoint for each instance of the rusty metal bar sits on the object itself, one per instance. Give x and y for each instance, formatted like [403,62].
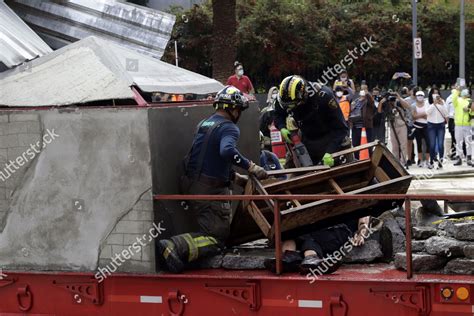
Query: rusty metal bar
[277,231]
[408,238]
[315,197]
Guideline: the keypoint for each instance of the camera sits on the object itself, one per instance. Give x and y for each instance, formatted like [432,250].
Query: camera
[390,96]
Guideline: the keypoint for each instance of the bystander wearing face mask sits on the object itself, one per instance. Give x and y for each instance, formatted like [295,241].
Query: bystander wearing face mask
[339,94]
[240,72]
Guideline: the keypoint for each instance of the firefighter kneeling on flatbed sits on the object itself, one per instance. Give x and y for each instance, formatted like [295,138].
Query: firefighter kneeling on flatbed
[208,168]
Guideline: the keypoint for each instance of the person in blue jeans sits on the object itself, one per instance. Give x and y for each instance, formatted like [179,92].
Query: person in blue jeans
[437,117]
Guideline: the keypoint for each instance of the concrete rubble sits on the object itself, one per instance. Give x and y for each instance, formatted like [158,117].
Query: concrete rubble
[449,251]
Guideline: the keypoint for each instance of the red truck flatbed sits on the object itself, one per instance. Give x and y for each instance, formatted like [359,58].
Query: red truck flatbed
[376,289]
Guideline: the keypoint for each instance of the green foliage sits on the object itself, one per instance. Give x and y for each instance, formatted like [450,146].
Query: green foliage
[279,37]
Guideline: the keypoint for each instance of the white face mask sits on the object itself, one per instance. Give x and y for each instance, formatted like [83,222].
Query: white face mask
[343,78]
[420,98]
[435,96]
[274,95]
[362,93]
[240,72]
[339,94]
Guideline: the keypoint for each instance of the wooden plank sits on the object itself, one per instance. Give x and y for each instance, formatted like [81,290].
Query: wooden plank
[368,190]
[323,176]
[380,175]
[335,186]
[395,163]
[355,149]
[297,203]
[320,210]
[376,157]
[297,170]
[262,191]
[261,221]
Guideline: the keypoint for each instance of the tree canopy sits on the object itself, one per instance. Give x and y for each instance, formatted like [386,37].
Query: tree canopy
[280,37]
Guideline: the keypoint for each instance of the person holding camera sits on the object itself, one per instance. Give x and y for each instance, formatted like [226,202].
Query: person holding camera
[437,117]
[362,116]
[394,107]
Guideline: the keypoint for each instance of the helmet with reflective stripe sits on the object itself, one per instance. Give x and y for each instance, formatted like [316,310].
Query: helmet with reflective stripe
[230,98]
[292,92]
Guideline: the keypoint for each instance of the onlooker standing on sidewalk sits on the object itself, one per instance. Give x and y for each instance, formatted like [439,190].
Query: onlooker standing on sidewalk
[379,118]
[437,116]
[362,116]
[394,107]
[421,125]
[410,97]
[344,81]
[239,80]
[344,96]
[450,108]
[462,124]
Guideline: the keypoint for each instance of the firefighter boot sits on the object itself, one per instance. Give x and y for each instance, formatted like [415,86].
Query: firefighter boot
[168,256]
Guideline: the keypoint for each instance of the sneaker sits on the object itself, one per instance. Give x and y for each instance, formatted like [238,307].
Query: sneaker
[168,256]
[440,165]
[419,164]
[409,163]
[430,165]
[469,163]
[458,162]
[313,264]
[290,262]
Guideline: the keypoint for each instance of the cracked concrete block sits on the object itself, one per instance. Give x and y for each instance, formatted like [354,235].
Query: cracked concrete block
[246,259]
[129,239]
[464,231]
[147,253]
[368,252]
[18,128]
[421,261]
[28,139]
[401,223]
[469,251]
[418,246]
[129,227]
[7,141]
[460,266]
[106,252]
[115,239]
[34,127]
[89,161]
[423,232]
[143,205]
[443,246]
[22,117]
[398,237]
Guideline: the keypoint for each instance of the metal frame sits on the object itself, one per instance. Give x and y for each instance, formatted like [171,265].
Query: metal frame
[313,197]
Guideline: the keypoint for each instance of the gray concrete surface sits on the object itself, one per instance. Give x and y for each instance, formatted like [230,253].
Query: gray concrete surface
[92,180]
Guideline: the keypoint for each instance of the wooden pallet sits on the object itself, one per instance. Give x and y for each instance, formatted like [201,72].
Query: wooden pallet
[381,174]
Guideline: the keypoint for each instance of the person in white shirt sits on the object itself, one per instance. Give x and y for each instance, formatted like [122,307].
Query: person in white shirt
[421,126]
[437,117]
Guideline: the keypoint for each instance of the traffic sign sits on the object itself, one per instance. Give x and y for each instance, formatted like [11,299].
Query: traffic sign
[417,47]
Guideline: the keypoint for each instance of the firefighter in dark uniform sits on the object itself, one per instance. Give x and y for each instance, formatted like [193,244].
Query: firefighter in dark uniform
[208,168]
[317,115]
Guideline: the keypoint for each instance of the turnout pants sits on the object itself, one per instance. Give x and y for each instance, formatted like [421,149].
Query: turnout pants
[398,138]
[213,221]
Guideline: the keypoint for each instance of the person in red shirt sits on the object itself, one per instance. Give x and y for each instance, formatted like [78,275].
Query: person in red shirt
[239,80]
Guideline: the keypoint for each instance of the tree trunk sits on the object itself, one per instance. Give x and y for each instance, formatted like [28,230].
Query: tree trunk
[223,48]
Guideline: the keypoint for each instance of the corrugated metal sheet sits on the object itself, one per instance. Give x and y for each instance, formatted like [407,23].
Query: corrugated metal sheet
[62,22]
[92,70]
[18,42]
